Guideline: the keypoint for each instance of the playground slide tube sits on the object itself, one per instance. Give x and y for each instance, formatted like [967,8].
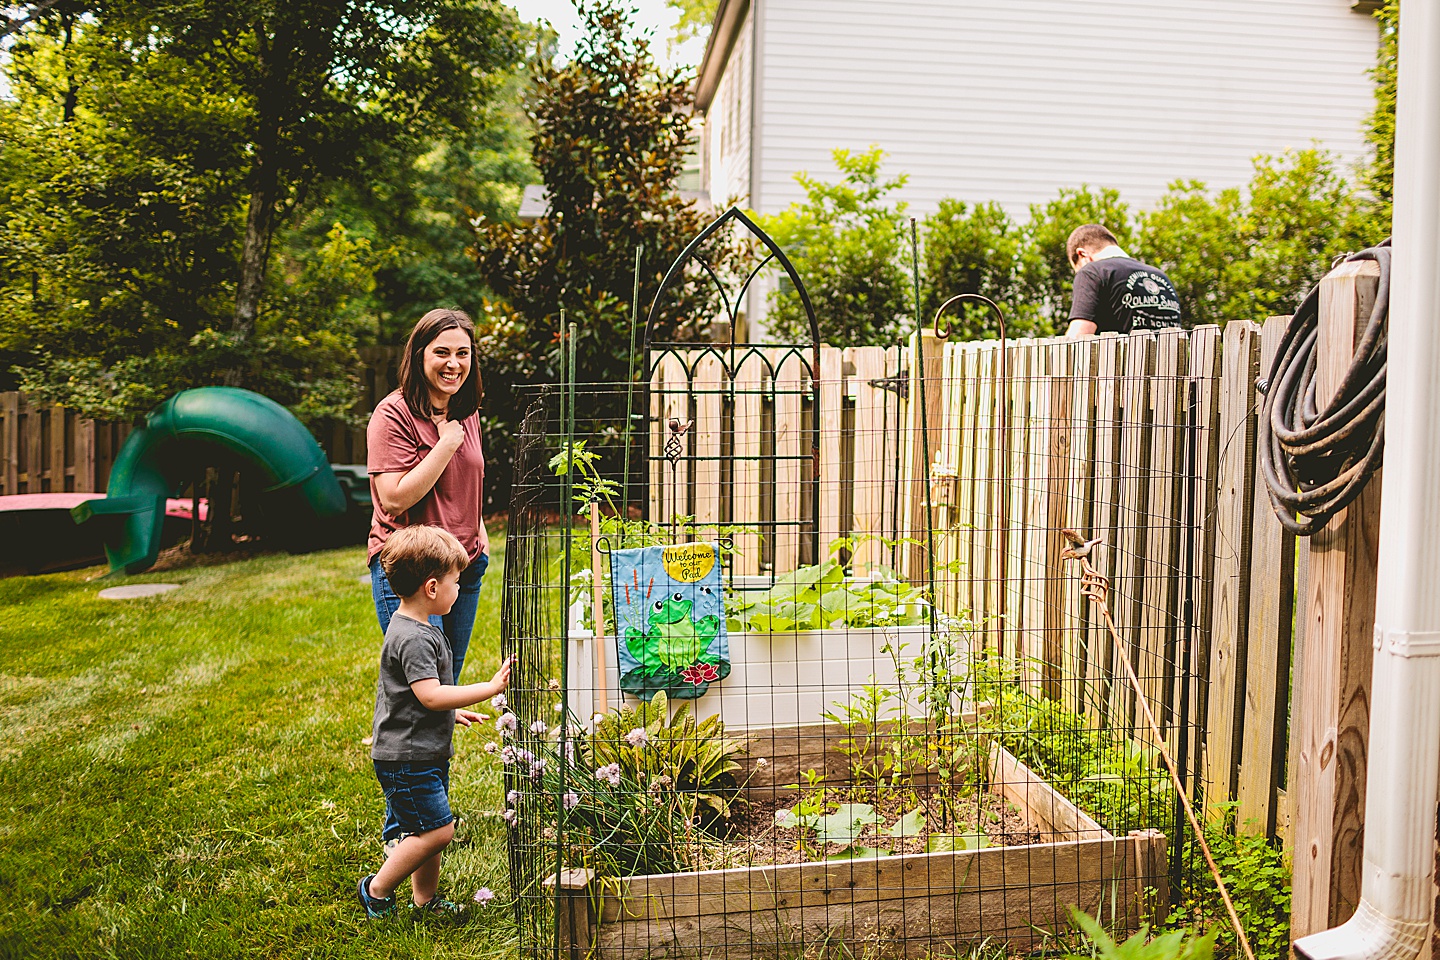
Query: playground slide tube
[155,463]
[1396,897]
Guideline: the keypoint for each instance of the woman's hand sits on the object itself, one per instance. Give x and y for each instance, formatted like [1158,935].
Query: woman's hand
[452,433]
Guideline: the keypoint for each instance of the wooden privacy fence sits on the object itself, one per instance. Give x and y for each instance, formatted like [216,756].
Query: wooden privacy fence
[49,449]
[1146,441]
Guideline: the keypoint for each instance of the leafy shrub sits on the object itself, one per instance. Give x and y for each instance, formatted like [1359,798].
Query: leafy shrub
[847,242]
[696,761]
[1258,880]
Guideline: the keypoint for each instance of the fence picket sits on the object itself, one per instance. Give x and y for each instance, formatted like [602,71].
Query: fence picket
[1078,511]
[1128,585]
[791,379]
[746,493]
[870,441]
[707,389]
[1059,386]
[1235,497]
[1267,681]
[830,424]
[962,530]
[1014,513]
[1161,567]
[1109,368]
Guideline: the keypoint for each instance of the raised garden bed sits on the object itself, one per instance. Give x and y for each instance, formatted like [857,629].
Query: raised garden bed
[902,904]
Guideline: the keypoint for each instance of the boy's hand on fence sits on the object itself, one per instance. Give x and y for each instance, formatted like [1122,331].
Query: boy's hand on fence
[463,718]
[502,676]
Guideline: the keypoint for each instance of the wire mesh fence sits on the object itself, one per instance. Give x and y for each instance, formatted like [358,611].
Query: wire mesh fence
[832,763]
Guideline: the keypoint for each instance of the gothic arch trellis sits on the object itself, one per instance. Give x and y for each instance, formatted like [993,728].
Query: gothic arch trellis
[777,380]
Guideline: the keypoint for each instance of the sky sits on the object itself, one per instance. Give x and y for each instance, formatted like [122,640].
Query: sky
[652,15]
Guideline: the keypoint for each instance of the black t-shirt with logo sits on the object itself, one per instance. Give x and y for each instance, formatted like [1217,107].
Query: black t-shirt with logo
[1122,294]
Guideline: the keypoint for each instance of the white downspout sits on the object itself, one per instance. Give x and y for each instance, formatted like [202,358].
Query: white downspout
[1396,894]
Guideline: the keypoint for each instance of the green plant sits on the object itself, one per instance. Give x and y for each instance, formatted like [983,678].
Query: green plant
[1116,780]
[1181,944]
[1258,879]
[846,240]
[695,761]
[818,596]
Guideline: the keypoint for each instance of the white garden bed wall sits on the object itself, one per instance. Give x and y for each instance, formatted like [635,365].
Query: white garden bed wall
[776,679]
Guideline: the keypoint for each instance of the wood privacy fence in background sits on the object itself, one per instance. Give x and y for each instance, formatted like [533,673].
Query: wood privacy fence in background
[379,374]
[48,449]
[1146,441]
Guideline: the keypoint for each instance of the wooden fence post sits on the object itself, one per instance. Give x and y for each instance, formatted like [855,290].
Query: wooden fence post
[1332,709]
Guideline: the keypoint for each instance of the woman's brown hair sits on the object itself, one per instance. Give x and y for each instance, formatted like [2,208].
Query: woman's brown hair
[412,377]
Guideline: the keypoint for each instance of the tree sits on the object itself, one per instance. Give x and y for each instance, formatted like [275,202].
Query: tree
[846,243]
[160,157]
[1251,254]
[328,86]
[975,249]
[1378,176]
[610,137]
[696,16]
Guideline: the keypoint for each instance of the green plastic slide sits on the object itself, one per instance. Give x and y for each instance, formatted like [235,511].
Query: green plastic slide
[301,501]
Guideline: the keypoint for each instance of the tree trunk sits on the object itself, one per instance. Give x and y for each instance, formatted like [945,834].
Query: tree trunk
[260,217]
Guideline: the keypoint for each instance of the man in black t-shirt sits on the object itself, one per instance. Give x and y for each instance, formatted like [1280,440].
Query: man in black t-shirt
[1113,290]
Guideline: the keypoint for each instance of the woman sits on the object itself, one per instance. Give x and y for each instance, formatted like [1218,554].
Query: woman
[426,466]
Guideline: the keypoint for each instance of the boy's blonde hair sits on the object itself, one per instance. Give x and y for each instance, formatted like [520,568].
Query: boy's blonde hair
[412,555]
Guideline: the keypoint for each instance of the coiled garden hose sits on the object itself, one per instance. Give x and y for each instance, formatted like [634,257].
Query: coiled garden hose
[1315,462]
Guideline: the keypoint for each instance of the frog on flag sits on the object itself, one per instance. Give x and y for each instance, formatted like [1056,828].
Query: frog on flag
[670,619]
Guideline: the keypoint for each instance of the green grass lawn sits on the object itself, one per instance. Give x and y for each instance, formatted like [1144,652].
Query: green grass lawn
[184,775]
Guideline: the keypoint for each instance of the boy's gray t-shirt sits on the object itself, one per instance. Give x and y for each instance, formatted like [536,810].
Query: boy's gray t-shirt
[405,729]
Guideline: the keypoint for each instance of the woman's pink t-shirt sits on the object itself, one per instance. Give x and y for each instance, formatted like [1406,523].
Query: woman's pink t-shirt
[398,440]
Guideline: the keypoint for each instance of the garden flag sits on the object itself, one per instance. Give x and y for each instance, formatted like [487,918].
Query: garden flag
[669,619]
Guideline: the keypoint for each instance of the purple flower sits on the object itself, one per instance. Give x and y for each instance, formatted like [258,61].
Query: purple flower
[492,747]
[511,817]
[537,769]
[506,723]
[507,755]
[637,737]
[499,701]
[540,727]
[513,798]
[610,774]
[572,800]
[484,895]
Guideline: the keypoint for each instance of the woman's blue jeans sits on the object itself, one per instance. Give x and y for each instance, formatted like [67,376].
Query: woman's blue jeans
[458,624]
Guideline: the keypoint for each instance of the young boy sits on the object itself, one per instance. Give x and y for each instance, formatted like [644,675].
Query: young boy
[416,709]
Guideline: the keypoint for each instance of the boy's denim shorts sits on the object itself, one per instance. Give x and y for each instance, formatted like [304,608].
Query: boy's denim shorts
[417,795]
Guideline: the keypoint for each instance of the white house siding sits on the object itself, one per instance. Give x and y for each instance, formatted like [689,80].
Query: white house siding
[1010,100]
[728,126]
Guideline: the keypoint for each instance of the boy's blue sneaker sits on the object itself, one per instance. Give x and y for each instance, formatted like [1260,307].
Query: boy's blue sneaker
[438,909]
[375,907]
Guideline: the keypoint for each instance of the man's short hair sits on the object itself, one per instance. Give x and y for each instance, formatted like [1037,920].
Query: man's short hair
[412,555]
[1090,235]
